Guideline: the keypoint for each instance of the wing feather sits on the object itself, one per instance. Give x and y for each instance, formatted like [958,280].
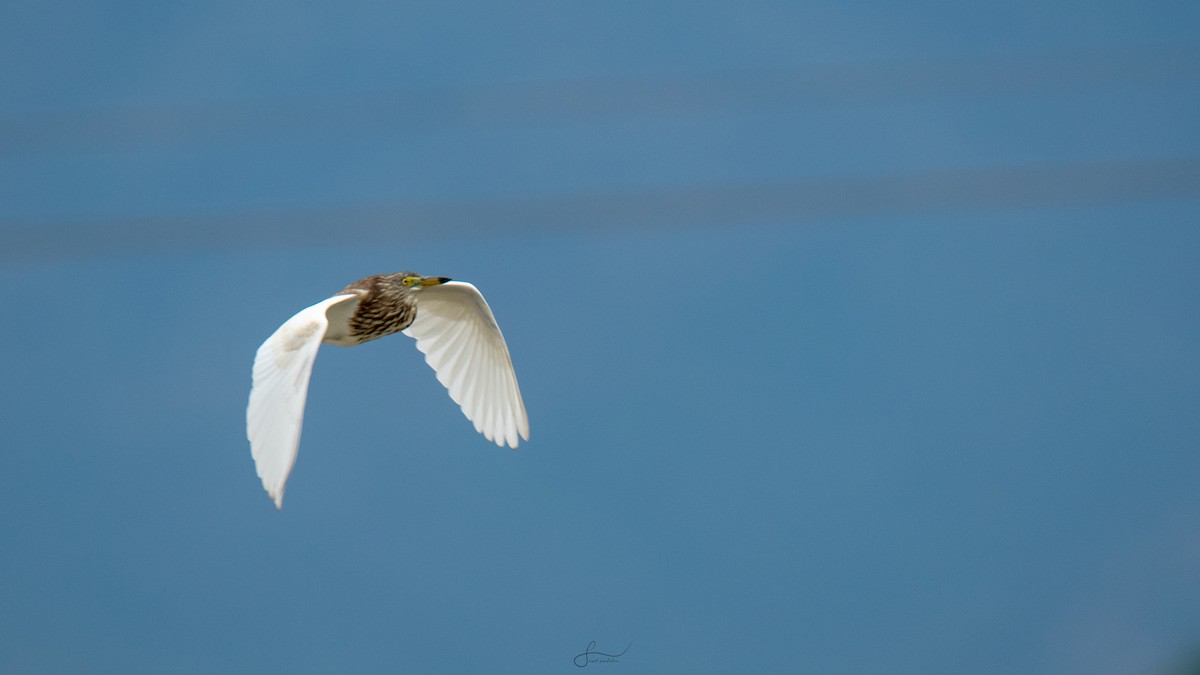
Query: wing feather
[457,332]
[275,414]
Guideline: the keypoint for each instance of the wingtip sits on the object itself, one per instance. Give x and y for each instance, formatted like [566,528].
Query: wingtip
[514,441]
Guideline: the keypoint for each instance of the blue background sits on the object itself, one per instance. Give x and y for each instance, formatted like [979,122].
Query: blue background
[855,337]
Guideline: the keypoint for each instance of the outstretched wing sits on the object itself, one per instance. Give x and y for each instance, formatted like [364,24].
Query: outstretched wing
[276,412]
[456,331]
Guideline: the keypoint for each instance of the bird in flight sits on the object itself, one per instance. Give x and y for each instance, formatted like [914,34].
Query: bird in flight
[453,327]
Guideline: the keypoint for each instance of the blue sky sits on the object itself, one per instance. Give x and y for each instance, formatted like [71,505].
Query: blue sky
[854,338]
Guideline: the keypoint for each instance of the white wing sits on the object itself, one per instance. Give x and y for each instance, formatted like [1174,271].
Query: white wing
[457,333]
[276,411]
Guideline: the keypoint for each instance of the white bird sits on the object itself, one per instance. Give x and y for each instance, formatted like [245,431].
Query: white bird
[453,327]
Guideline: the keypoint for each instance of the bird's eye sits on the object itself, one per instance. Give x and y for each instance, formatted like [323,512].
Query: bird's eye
[409,281]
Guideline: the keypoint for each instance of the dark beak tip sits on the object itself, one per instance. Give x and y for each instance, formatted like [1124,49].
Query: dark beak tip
[442,280]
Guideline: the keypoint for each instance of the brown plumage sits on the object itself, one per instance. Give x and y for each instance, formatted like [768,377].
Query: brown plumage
[385,308]
[386,304]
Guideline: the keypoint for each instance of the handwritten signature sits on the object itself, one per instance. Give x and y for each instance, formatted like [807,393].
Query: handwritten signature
[590,655]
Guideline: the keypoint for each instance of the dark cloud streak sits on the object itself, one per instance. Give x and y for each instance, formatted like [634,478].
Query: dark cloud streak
[515,105]
[987,189]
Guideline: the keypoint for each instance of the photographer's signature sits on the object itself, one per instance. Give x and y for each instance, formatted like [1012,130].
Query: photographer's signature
[590,655]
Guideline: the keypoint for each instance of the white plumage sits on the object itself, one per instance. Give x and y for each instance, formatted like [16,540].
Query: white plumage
[453,327]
